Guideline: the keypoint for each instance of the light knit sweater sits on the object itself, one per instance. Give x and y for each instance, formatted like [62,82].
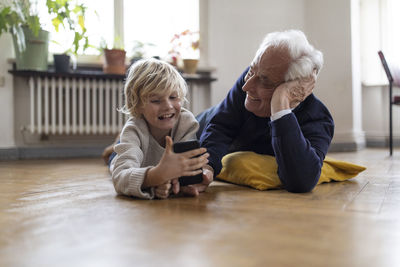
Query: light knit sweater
[138,151]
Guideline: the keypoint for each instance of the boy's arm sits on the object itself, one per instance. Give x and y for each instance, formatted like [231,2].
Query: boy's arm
[127,175]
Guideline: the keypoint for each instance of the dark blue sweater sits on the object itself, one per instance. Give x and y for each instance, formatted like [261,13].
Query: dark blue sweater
[299,140]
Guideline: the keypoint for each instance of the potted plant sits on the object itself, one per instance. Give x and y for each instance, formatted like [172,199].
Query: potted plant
[30,40]
[185,48]
[72,18]
[114,58]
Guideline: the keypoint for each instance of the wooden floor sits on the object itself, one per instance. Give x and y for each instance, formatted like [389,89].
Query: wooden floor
[66,213]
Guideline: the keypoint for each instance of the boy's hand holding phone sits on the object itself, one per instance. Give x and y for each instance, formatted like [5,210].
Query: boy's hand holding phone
[181,147]
[195,184]
[174,165]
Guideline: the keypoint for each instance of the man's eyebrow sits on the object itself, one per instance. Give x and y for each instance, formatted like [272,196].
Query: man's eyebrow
[264,78]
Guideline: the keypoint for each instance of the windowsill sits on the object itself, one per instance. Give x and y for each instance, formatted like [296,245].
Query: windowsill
[375,83]
[96,62]
[94,72]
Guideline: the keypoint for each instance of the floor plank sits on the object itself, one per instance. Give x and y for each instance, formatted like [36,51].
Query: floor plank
[66,213]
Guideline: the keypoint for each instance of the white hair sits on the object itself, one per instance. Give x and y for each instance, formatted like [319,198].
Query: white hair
[305,58]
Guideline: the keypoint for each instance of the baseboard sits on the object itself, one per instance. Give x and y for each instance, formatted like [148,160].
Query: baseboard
[346,147]
[382,143]
[8,153]
[50,152]
[95,151]
[352,146]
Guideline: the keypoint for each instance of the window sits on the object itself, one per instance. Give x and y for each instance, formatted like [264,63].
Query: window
[380,24]
[156,22]
[99,23]
[150,22]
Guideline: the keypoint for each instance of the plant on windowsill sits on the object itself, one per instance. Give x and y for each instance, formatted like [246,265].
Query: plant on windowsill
[71,17]
[113,58]
[185,49]
[30,40]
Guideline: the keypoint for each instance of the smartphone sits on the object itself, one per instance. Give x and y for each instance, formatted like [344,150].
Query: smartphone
[186,146]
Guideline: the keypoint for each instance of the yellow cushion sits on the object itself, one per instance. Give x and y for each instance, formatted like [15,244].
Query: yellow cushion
[260,171]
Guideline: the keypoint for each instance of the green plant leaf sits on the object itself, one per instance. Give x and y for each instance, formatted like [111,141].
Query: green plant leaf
[3,19]
[81,22]
[72,17]
[77,38]
[34,24]
[56,23]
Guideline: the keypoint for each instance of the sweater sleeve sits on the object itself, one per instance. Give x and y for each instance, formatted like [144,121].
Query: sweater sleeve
[300,150]
[224,125]
[127,175]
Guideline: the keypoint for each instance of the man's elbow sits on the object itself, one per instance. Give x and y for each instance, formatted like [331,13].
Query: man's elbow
[303,185]
[301,188]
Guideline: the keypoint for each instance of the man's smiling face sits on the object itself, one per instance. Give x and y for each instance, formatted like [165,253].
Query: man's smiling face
[263,78]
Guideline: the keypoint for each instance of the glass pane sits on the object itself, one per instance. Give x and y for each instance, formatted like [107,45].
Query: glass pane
[99,21]
[392,39]
[156,22]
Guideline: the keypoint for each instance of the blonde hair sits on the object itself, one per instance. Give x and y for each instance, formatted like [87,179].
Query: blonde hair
[147,77]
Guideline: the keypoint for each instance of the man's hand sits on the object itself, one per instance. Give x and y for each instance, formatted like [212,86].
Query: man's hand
[289,94]
[195,189]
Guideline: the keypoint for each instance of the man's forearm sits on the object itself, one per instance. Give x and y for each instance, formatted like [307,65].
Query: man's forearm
[299,164]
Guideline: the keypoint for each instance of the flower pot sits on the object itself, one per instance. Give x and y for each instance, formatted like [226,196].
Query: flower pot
[62,63]
[114,61]
[34,57]
[190,66]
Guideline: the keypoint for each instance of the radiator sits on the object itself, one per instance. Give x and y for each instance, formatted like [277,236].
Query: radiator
[75,106]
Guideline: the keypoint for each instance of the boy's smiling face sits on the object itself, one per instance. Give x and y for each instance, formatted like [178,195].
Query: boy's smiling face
[161,112]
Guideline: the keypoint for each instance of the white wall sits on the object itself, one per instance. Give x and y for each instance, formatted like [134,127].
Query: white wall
[333,26]
[236,28]
[376,115]
[6,94]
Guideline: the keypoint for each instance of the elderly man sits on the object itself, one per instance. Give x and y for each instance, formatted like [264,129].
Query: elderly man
[271,110]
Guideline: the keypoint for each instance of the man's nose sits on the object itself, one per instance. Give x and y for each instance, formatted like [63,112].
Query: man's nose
[249,84]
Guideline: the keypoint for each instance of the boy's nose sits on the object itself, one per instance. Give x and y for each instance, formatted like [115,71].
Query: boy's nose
[168,104]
